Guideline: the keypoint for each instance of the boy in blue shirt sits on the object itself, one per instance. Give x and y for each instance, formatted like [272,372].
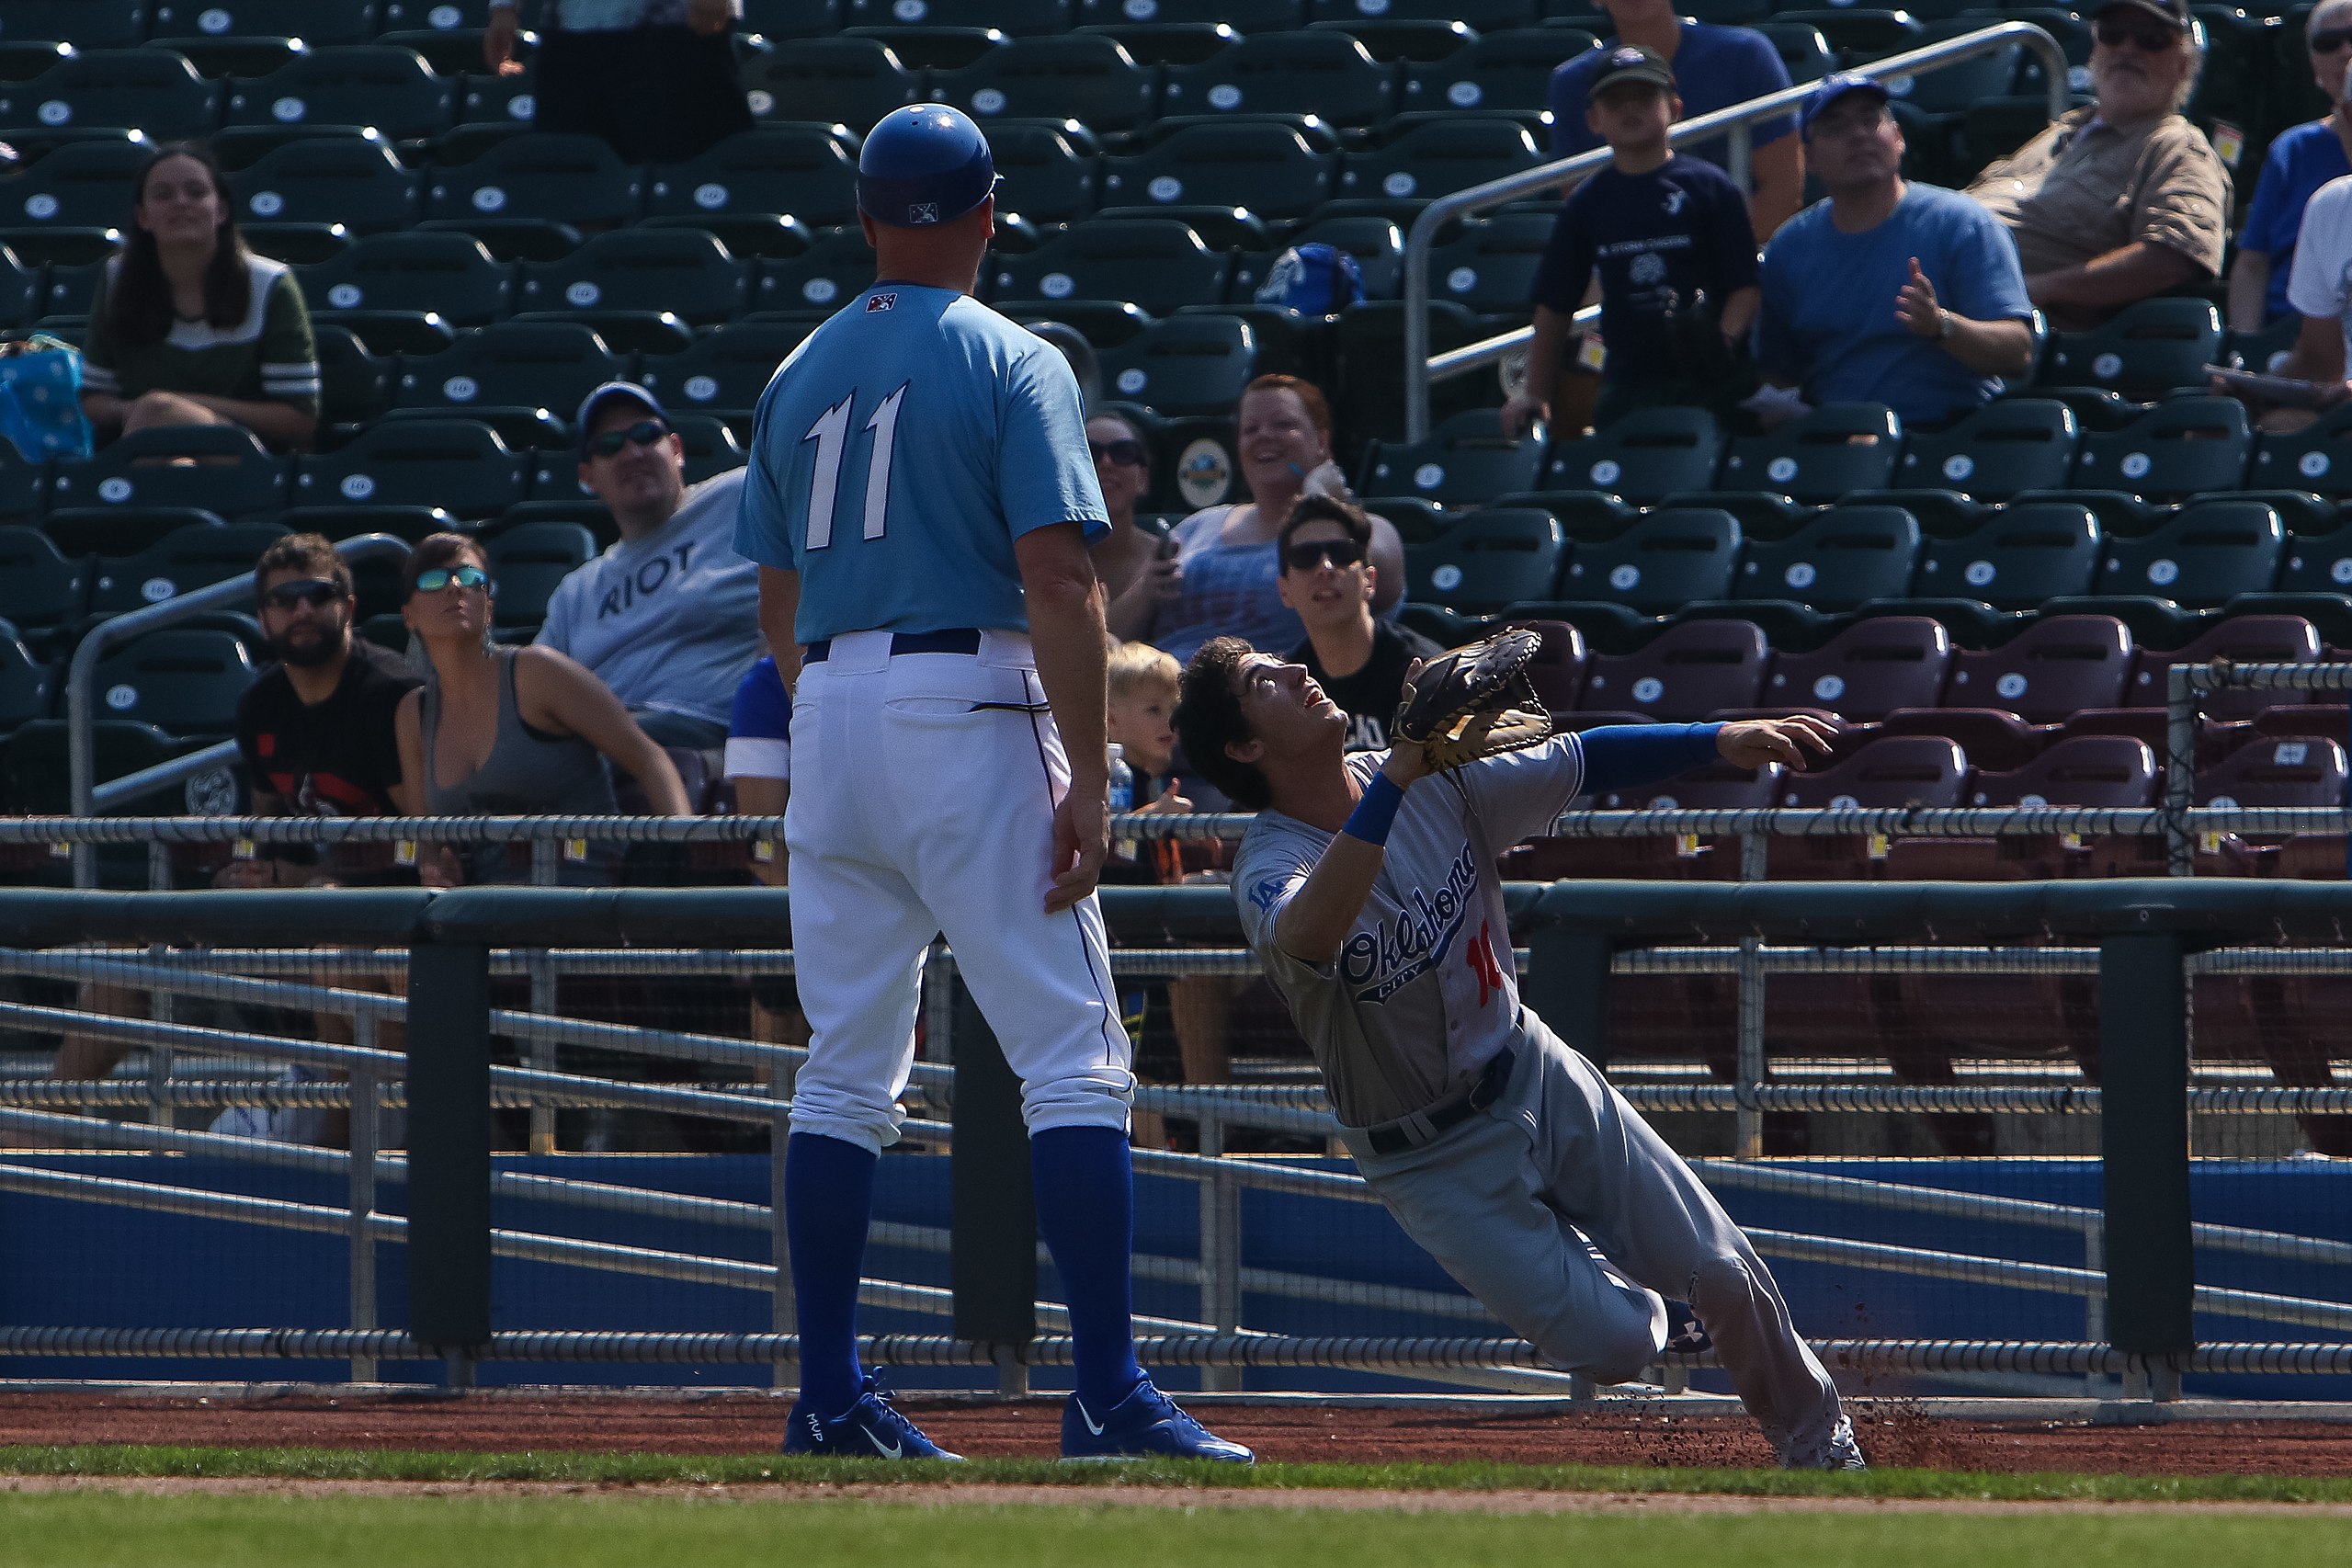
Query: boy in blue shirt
[1677,257]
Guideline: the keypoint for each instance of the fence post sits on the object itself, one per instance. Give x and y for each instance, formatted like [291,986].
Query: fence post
[2180,768]
[992,1242]
[1220,1250]
[1567,986]
[449,1149]
[2143,1135]
[364,1138]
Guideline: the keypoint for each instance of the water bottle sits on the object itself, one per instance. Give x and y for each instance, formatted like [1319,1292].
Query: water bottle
[1122,797]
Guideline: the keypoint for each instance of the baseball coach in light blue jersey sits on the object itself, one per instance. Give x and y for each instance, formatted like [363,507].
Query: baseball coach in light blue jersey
[920,502]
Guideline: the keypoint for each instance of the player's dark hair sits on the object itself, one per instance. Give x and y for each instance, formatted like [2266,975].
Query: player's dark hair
[139,298]
[440,549]
[309,554]
[1325,509]
[1209,717]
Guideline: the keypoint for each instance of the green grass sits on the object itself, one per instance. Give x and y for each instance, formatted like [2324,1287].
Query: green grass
[104,1531]
[595,1468]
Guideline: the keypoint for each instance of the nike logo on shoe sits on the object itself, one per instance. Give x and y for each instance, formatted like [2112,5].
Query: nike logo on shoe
[1094,1428]
[888,1450]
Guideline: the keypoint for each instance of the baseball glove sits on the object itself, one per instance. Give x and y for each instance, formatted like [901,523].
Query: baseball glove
[1475,701]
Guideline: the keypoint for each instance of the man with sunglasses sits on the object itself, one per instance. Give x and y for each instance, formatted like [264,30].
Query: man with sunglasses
[1327,577]
[316,729]
[2125,198]
[668,618]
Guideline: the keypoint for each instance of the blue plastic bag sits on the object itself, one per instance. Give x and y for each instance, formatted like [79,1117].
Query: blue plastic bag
[41,399]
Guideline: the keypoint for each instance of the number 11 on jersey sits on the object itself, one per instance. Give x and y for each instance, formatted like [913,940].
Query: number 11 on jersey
[827,432]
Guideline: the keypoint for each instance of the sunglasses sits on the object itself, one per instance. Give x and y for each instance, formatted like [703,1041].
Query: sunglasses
[1341,552]
[441,577]
[2329,39]
[644,433]
[1126,454]
[310,591]
[2147,41]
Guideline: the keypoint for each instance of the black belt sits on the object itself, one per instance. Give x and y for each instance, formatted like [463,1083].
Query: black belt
[962,640]
[1412,1132]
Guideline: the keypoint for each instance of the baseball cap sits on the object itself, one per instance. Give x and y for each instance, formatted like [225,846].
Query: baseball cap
[2173,14]
[1630,63]
[1830,90]
[591,405]
[922,164]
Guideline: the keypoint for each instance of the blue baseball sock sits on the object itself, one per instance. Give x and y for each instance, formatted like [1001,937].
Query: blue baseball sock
[828,1199]
[1086,1207]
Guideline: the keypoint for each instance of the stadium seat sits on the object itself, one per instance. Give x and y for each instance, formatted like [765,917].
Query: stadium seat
[1019,18]
[550,365]
[1490,267]
[2304,771]
[1509,70]
[1159,264]
[1844,557]
[1557,671]
[2056,666]
[2011,444]
[808,171]
[184,682]
[26,686]
[2189,446]
[357,383]
[837,263]
[2208,552]
[1188,364]
[1648,454]
[1687,672]
[1434,157]
[652,270]
[2150,348]
[798,20]
[121,530]
[830,81]
[179,562]
[1804,54]
[2078,770]
[1668,559]
[1817,457]
[529,561]
[85,23]
[1375,242]
[1719,788]
[1082,76]
[1992,737]
[2317,565]
[152,90]
[1466,462]
[540,179]
[1366,387]
[1329,75]
[1266,168]
[232,472]
[1243,15]
[2242,640]
[348,180]
[724,371]
[391,90]
[436,16]
[40,587]
[82,185]
[1866,671]
[448,275]
[1492,558]
[322,24]
[2317,458]
[453,463]
[506,103]
[1050,169]
[2030,552]
[1891,772]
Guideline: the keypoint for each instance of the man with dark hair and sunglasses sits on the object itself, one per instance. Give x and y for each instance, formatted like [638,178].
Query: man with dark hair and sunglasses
[2124,199]
[1327,577]
[668,618]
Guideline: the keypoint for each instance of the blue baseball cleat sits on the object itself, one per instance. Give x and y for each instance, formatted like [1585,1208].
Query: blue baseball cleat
[1145,1425]
[869,1429]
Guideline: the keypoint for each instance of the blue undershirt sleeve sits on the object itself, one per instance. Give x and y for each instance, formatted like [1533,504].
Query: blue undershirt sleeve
[1620,755]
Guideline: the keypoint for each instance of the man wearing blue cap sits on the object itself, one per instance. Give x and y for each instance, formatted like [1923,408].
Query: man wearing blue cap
[1889,291]
[920,501]
[669,615]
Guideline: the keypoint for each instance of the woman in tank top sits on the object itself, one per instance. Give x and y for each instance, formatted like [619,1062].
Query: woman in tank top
[1219,575]
[504,731]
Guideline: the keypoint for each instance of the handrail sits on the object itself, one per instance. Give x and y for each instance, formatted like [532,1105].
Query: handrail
[88,795]
[1420,370]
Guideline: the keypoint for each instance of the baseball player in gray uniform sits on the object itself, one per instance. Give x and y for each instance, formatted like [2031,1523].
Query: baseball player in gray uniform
[1367,888]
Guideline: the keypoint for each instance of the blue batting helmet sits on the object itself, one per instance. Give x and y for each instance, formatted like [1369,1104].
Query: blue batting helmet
[922,164]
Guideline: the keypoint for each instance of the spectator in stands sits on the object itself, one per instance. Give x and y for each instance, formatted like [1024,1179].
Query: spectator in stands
[500,730]
[190,327]
[1359,660]
[1123,468]
[668,618]
[1891,292]
[2300,161]
[657,78]
[2319,287]
[1716,67]
[1677,257]
[2124,199]
[1221,575]
[1143,697]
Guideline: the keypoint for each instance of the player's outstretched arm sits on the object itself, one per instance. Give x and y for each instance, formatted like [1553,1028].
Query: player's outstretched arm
[1065,606]
[1320,914]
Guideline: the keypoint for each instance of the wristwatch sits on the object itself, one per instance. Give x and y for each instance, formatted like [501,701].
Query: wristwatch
[1943,324]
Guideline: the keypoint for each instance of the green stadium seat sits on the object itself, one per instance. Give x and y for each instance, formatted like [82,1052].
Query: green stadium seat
[1016,17]
[1049,170]
[1367,388]
[680,270]
[82,185]
[1243,15]
[1490,269]
[322,24]
[1156,263]
[724,371]
[1435,157]
[2010,444]
[1804,54]
[232,472]
[2206,552]
[1483,16]
[2030,552]
[501,102]
[184,682]
[830,81]
[1819,456]
[391,90]
[837,263]
[40,585]
[567,180]
[455,464]
[1268,168]
[1187,364]
[347,180]
[1674,556]
[34,770]
[941,48]
[447,273]
[357,382]
[1466,462]
[803,20]
[2190,446]
[1950,89]
[1329,75]
[1860,33]
[1646,456]
[85,24]
[122,531]
[1490,558]
[527,562]
[1082,76]
[807,171]
[2317,564]
[2152,348]
[1844,557]
[2317,458]
[179,562]
[1507,71]
[28,687]
[549,365]
[152,90]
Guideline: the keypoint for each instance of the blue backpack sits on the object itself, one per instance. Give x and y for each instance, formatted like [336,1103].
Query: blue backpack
[1314,281]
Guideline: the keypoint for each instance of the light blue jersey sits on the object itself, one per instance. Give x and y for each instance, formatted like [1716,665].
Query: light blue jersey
[899,452]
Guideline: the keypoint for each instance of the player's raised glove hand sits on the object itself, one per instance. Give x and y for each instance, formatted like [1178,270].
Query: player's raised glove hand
[1792,742]
[1408,759]
[1081,840]
[1472,702]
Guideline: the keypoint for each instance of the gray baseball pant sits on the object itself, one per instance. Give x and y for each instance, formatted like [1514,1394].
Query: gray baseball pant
[1499,1200]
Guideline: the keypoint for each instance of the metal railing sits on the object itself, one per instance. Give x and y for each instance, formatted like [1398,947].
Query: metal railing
[2187,684]
[1421,370]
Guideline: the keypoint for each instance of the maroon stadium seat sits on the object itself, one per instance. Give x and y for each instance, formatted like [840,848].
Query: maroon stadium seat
[2054,667]
[1867,670]
[1686,673]
[2246,640]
